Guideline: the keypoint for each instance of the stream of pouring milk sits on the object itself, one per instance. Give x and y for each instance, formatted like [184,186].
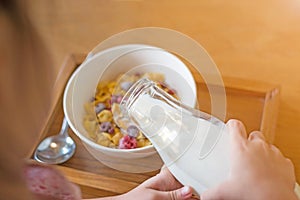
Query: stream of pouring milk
[195,150]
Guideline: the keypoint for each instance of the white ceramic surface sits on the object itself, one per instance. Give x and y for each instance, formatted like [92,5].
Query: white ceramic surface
[106,65]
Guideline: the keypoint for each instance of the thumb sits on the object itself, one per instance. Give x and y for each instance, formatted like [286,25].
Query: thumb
[237,133]
[183,193]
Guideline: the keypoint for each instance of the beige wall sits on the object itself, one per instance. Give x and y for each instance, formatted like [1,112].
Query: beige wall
[256,39]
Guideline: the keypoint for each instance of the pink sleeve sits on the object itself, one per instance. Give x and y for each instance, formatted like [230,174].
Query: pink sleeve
[47,183]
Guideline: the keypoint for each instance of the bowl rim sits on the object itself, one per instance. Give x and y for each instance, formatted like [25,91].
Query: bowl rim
[89,58]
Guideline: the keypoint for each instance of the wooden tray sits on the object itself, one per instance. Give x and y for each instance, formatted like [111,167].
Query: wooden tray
[255,103]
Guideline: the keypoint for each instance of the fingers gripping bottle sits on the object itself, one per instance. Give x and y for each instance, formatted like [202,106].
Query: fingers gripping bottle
[192,144]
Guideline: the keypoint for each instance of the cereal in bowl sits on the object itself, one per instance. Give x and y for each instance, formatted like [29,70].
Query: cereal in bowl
[98,120]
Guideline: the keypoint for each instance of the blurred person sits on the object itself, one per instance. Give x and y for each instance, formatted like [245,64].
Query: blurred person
[25,81]
[259,171]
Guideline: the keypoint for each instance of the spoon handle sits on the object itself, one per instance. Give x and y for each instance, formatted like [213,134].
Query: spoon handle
[64,128]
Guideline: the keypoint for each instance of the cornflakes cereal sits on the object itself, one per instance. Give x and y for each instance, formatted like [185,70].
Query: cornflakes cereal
[105,116]
[99,122]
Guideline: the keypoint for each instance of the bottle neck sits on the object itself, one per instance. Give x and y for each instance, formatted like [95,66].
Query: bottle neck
[140,87]
[146,86]
[148,106]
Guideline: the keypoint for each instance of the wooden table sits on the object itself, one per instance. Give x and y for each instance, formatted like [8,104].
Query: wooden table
[257,40]
[97,180]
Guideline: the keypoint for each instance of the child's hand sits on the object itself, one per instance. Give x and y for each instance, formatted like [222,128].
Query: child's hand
[162,186]
[258,170]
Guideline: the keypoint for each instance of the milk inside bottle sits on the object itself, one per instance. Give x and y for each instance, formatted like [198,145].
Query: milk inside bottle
[192,144]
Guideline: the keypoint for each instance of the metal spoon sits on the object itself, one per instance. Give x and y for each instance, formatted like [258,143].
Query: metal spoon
[56,149]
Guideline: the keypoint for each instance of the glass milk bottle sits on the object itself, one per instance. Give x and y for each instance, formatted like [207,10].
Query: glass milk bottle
[192,144]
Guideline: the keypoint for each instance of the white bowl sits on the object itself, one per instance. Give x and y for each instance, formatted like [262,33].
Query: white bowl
[107,65]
